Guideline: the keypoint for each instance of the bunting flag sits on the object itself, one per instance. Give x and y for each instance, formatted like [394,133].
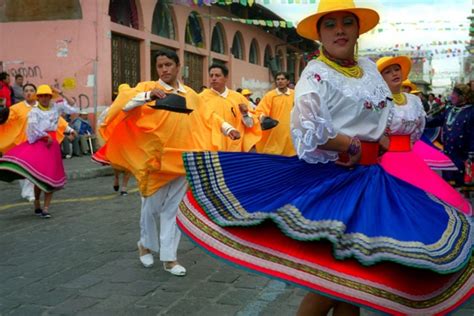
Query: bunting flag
[256,22]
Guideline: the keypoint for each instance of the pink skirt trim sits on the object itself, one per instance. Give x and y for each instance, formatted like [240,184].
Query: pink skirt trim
[433,158]
[411,168]
[42,162]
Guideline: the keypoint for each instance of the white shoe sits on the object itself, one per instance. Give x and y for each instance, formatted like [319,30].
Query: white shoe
[68,156]
[146,260]
[30,199]
[177,270]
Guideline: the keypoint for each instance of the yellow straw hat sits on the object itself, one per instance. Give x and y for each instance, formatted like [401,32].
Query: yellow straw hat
[44,89]
[415,91]
[368,18]
[403,61]
[246,92]
[408,83]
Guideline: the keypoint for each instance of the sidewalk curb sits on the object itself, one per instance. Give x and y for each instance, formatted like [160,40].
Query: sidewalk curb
[89,173]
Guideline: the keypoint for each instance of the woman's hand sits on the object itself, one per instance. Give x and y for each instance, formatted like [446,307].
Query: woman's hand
[352,156]
[49,140]
[384,143]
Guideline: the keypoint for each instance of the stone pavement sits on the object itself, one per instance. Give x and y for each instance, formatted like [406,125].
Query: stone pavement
[84,261]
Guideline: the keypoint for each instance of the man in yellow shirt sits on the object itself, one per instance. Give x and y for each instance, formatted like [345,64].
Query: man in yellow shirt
[228,113]
[149,143]
[277,104]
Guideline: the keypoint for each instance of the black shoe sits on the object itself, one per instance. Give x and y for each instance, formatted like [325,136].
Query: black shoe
[45,215]
[123,193]
[38,211]
[116,188]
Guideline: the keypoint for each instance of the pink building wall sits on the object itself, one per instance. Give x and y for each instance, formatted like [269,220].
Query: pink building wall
[72,53]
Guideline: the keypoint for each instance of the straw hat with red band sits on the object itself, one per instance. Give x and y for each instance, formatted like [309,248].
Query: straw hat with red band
[403,61]
[368,18]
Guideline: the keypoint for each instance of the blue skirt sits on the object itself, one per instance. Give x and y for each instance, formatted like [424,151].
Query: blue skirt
[366,213]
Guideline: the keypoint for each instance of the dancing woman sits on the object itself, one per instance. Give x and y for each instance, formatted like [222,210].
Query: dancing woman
[333,221]
[406,125]
[39,158]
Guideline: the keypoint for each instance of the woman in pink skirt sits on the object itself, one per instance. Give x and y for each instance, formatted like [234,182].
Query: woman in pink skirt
[39,158]
[406,124]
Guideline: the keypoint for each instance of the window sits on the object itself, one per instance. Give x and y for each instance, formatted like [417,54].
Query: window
[163,20]
[237,46]
[218,42]
[268,58]
[194,35]
[253,56]
[124,12]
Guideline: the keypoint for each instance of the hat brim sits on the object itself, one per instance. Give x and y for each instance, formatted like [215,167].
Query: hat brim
[172,102]
[403,61]
[268,123]
[368,19]
[412,86]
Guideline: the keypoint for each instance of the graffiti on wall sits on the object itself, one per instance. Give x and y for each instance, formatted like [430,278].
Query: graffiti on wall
[28,72]
[33,73]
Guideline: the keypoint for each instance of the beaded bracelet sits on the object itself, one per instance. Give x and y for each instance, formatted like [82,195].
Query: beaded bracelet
[354,147]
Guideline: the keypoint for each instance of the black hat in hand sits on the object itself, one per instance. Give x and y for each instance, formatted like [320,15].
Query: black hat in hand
[172,102]
[268,123]
[4,113]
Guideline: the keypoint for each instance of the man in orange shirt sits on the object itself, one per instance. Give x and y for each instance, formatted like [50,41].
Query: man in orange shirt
[277,104]
[230,110]
[149,143]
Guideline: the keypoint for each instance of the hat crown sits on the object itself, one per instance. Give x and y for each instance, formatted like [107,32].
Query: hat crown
[44,89]
[335,5]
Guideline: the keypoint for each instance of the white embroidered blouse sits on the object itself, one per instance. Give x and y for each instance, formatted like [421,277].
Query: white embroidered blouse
[408,119]
[40,122]
[328,103]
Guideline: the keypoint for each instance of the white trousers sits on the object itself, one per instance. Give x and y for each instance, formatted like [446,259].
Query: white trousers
[164,203]
[27,189]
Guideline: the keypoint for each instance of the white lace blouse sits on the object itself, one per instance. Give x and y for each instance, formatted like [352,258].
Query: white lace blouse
[40,122]
[408,119]
[328,103]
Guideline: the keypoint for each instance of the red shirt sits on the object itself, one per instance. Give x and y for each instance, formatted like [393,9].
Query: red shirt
[5,93]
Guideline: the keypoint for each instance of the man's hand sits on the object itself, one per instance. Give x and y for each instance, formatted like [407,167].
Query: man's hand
[157,94]
[72,135]
[243,108]
[234,134]
[57,91]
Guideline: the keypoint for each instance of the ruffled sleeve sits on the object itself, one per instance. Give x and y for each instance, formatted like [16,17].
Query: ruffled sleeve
[420,122]
[64,107]
[34,130]
[311,125]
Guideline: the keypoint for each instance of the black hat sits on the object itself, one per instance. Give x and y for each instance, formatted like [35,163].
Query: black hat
[4,113]
[268,123]
[172,102]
